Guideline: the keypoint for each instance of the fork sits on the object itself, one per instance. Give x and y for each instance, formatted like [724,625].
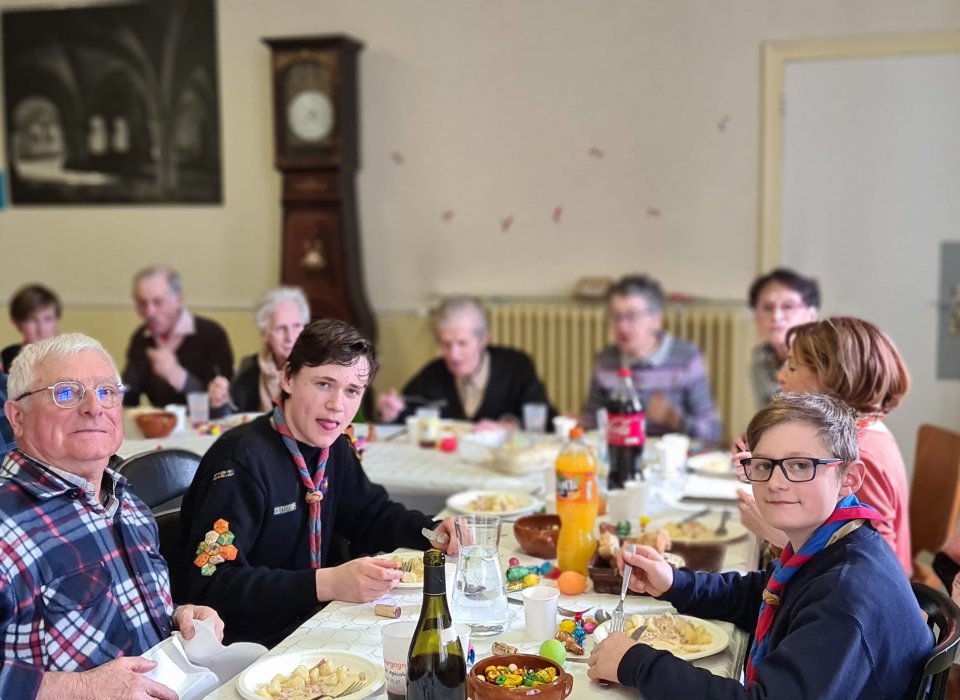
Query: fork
[352,688]
[406,565]
[722,529]
[616,618]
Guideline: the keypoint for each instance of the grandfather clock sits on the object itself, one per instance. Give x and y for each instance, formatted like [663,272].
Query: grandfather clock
[316,149]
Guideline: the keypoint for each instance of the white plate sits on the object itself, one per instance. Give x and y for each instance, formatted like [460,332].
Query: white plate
[720,638]
[712,464]
[266,668]
[526,503]
[404,556]
[711,521]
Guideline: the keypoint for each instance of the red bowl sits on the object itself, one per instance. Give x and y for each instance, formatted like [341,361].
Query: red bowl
[482,689]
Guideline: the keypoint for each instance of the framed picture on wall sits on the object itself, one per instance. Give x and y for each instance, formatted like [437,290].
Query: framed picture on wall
[113,104]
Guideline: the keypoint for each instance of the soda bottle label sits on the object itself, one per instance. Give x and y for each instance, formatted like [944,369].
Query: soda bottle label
[576,487]
[625,429]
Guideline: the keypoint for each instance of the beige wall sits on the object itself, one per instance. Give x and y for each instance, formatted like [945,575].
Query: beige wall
[494,106]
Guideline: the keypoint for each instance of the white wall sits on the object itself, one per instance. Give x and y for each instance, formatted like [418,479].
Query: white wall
[871,176]
[494,106]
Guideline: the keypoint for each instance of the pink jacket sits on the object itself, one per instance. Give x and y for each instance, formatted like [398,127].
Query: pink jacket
[885,487]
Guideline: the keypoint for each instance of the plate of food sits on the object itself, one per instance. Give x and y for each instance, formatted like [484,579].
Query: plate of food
[502,503]
[703,530]
[683,636]
[412,564]
[304,675]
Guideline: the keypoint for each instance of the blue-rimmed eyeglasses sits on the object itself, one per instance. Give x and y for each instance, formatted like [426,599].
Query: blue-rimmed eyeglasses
[794,468]
[70,394]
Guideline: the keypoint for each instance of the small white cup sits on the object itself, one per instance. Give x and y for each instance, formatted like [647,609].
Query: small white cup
[540,612]
[198,407]
[180,411]
[396,646]
[562,425]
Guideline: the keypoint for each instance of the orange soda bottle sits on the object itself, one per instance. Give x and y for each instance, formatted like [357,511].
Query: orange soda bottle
[578,501]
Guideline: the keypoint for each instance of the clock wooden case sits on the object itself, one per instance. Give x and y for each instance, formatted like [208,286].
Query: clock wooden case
[317,150]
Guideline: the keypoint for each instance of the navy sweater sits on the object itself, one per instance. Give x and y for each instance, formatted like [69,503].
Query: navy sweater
[849,628]
[248,479]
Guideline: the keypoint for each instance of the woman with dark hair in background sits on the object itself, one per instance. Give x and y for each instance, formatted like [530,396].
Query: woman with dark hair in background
[35,312]
[780,299]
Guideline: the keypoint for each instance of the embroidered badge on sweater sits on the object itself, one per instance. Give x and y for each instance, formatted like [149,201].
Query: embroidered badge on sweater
[217,547]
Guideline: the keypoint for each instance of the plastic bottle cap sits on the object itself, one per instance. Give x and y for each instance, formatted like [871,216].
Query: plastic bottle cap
[576,432]
[623,372]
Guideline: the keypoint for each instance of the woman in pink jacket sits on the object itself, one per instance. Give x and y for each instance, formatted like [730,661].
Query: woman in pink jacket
[856,362]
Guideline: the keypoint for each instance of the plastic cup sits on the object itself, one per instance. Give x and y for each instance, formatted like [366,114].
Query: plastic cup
[428,426]
[562,425]
[396,646]
[540,612]
[198,407]
[628,503]
[535,417]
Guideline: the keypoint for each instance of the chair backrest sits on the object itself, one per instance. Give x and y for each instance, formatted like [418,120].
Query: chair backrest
[935,493]
[160,476]
[943,618]
[171,547]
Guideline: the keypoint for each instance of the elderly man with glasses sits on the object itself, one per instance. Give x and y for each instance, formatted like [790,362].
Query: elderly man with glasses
[669,373]
[83,588]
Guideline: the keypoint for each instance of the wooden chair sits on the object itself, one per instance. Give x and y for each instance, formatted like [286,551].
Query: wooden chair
[934,495]
[943,618]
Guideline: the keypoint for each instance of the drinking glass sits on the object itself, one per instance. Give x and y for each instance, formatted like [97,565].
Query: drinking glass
[198,407]
[479,597]
[535,417]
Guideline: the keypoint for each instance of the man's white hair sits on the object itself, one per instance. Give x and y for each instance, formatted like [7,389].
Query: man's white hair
[23,370]
[456,308]
[272,299]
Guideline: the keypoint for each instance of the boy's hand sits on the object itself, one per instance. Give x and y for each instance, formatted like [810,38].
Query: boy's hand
[652,575]
[606,656]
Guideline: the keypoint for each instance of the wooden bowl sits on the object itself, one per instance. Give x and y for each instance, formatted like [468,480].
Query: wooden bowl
[156,424]
[537,535]
[478,689]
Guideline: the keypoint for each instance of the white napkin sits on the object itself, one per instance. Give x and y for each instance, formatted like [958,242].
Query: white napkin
[712,488]
[192,668]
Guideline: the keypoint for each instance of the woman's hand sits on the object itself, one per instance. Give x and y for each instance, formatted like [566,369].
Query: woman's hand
[751,519]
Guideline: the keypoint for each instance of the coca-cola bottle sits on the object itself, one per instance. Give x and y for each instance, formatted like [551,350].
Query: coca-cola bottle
[625,434]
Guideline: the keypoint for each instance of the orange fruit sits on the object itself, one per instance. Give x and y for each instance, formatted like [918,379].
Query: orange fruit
[572,583]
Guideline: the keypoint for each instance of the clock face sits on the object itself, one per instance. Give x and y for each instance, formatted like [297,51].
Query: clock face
[310,115]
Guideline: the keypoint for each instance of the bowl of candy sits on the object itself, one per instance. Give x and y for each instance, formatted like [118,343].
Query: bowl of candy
[156,424]
[537,535]
[518,675]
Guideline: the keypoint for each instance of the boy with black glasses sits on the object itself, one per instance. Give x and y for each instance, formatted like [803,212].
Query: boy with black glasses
[834,618]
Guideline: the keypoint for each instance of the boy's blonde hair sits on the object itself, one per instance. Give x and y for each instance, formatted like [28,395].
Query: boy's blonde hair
[834,421]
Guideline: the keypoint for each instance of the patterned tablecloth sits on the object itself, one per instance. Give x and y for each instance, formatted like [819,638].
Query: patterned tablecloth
[355,628]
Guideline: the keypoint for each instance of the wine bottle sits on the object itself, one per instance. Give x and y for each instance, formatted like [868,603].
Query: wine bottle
[435,665]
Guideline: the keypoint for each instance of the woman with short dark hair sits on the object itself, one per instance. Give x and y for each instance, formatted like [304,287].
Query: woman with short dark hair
[35,312]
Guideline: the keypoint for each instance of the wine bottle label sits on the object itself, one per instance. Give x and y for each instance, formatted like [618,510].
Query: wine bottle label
[576,487]
[625,429]
[448,634]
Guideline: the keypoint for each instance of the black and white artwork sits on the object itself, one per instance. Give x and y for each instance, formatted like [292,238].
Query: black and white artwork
[113,103]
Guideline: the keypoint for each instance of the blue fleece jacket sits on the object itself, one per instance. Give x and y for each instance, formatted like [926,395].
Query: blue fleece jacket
[849,628]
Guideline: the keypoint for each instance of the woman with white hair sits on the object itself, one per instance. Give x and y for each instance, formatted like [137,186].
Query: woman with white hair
[281,314]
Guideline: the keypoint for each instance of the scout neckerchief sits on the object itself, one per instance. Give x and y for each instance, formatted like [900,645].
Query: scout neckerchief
[789,563]
[316,486]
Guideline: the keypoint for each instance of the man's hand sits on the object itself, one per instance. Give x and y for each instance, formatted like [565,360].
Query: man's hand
[751,519]
[660,410]
[184,616]
[358,581]
[390,405]
[164,364]
[606,656]
[652,575]
[120,679]
[219,391]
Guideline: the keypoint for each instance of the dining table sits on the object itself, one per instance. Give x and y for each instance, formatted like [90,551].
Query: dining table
[356,629]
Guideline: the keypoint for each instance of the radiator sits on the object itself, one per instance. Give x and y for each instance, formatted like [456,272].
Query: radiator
[563,340]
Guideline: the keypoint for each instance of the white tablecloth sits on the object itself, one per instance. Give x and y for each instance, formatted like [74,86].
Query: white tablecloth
[354,628]
[421,479]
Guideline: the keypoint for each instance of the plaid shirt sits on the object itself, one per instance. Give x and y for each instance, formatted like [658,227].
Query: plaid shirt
[78,587]
[675,370]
